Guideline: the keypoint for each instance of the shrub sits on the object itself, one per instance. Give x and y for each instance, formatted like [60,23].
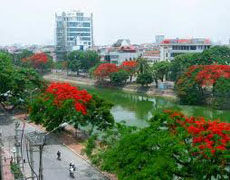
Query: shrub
[145,79]
[118,78]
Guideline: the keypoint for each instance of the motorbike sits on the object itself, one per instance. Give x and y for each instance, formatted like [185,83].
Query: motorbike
[71,173]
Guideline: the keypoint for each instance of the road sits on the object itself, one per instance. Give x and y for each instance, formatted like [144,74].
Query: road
[53,169]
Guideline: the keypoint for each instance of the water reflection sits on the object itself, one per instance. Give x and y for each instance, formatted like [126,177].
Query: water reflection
[136,108]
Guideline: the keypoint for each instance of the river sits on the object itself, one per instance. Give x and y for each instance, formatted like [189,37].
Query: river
[136,108]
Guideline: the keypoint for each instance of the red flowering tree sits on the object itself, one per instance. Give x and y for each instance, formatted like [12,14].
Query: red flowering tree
[206,141]
[105,70]
[209,137]
[130,67]
[193,84]
[62,102]
[38,61]
[173,146]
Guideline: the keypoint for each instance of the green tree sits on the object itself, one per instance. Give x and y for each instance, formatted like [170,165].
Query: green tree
[181,62]
[120,77]
[161,69]
[16,83]
[91,58]
[215,55]
[17,57]
[144,79]
[99,116]
[143,66]
[75,66]
[221,94]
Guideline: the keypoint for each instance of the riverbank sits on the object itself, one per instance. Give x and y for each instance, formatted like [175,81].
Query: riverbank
[149,91]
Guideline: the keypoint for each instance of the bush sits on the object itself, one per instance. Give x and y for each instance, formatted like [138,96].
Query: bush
[145,79]
[118,78]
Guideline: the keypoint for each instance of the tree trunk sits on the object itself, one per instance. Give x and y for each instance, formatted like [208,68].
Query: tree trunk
[156,83]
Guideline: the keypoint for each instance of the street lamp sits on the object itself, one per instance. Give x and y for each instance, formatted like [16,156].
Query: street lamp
[42,146]
[39,139]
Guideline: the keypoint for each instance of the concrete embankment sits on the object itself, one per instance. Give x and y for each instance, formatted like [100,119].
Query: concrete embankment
[150,91]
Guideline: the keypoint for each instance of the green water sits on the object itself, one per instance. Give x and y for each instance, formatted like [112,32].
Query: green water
[135,108]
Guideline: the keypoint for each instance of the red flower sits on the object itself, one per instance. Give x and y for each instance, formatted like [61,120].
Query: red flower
[37,59]
[104,70]
[64,91]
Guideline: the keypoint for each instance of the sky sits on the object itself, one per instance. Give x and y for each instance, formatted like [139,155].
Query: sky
[33,21]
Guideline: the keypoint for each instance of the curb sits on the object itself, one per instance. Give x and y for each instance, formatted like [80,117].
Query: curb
[86,160]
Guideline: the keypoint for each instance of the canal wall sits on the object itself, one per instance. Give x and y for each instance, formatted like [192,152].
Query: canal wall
[150,91]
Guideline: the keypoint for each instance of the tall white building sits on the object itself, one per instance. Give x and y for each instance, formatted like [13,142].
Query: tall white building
[169,48]
[74,31]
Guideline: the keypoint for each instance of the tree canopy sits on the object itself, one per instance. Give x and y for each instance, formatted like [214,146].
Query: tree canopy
[16,83]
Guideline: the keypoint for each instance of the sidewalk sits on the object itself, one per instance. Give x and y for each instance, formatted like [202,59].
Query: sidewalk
[7,175]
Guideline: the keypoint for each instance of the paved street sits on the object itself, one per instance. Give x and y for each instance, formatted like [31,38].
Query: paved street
[53,169]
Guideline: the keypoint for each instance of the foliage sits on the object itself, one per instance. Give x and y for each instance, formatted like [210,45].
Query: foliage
[181,62]
[83,60]
[62,102]
[199,82]
[174,146]
[39,61]
[105,70]
[16,84]
[161,69]
[221,93]
[21,55]
[92,69]
[143,66]
[213,55]
[91,58]
[130,67]
[99,114]
[74,66]
[61,65]
[144,79]
[15,169]
[118,78]
[188,90]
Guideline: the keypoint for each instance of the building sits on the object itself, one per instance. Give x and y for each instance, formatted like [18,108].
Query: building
[120,51]
[74,31]
[159,39]
[169,48]
[152,55]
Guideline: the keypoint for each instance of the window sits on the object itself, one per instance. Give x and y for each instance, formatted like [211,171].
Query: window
[193,47]
[72,24]
[83,29]
[85,38]
[86,24]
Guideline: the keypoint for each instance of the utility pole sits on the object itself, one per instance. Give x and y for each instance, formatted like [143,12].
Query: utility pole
[1,159]
[17,142]
[40,162]
[31,160]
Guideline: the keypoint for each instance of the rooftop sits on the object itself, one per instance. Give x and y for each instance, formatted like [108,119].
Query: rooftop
[186,41]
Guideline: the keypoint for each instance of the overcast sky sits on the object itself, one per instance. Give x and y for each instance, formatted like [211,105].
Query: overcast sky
[32,21]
